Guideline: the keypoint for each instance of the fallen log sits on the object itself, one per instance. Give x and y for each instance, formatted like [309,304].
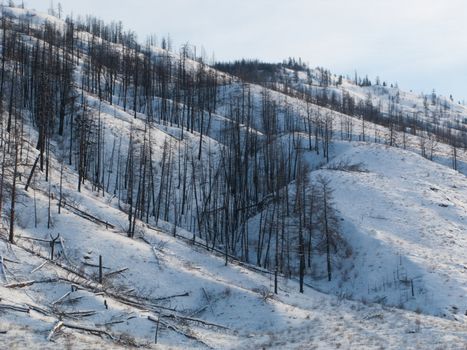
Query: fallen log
[188,335]
[29,283]
[59,300]
[172,296]
[20,284]
[37,239]
[178,330]
[39,267]
[213,249]
[71,300]
[198,311]
[89,329]
[143,304]
[12,261]
[14,308]
[116,272]
[54,330]
[39,309]
[109,323]
[86,313]
[88,216]
[94,265]
[153,248]
[196,320]
[71,269]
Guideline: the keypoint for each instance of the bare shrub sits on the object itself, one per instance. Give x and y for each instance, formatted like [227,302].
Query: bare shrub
[346,165]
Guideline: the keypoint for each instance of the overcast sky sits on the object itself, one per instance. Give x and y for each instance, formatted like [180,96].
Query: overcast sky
[421,44]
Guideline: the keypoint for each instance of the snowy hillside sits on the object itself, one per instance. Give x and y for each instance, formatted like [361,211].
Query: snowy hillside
[405,218]
[198,301]
[150,200]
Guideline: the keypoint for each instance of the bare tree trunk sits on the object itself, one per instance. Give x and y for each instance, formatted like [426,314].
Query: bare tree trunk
[13,193]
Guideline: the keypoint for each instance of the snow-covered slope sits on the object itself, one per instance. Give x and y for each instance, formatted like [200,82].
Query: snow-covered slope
[389,99]
[37,19]
[201,303]
[403,285]
[405,218]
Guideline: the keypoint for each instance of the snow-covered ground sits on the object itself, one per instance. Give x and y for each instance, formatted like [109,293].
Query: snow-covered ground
[403,287]
[221,306]
[405,218]
[203,303]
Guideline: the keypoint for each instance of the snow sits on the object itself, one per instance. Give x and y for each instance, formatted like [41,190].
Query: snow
[37,19]
[236,296]
[403,215]
[405,218]
[239,298]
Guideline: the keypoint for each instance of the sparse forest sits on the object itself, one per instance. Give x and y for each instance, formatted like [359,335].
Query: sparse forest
[211,177]
[274,168]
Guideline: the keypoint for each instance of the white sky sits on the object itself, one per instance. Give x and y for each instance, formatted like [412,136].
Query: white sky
[421,44]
